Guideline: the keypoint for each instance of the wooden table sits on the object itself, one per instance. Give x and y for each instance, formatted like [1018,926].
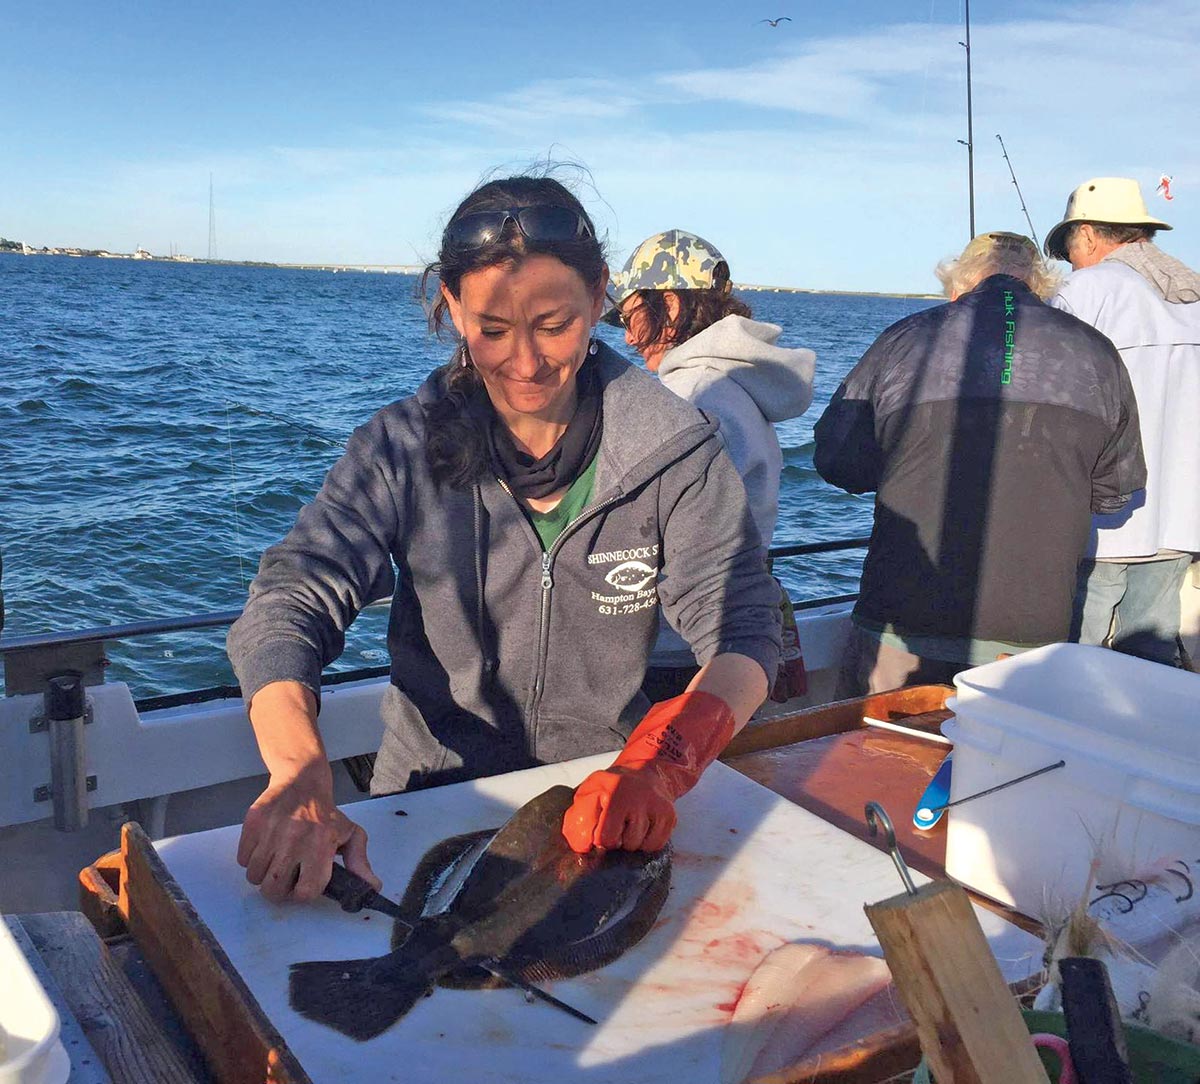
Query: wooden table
[116,1023]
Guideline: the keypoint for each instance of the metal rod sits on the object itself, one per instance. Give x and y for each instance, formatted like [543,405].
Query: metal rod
[801,550]
[227,617]
[912,732]
[504,975]
[68,775]
[969,142]
[1013,175]
[876,816]
[992,790]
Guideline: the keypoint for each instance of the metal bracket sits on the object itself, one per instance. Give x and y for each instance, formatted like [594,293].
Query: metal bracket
[44,793]
[39,724]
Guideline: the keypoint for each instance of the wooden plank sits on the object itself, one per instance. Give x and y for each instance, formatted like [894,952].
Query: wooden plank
[86,1066]
[836,775]
[898,705]
[967,1019]
[242,1046]
[99,885]
[113,1016]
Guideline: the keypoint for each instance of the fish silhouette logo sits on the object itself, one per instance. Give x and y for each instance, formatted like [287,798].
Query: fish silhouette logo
[630,576]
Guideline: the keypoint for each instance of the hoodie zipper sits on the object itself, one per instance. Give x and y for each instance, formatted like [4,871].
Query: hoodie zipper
[547,588]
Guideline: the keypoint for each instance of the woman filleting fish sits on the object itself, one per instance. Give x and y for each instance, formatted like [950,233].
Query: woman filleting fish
[527,510]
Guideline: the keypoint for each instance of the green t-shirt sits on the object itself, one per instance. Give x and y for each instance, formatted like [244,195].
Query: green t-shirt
[549,525]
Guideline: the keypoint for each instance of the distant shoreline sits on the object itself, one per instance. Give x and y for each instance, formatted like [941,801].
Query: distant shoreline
[392,269]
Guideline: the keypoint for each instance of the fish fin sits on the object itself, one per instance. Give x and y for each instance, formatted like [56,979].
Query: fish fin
[356,997]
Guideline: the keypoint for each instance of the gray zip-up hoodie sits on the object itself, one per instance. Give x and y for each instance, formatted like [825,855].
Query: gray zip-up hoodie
[734,371]
[503,656]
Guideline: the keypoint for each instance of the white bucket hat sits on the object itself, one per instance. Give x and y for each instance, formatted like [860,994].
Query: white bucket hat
[1110,201]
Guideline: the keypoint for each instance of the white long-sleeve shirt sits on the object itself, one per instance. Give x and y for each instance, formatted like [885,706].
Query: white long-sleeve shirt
[1160,345]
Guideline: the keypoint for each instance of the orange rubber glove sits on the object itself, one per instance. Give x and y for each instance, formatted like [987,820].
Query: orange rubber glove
[631,804]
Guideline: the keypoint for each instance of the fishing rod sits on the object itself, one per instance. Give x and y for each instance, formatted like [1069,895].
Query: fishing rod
[316,434]
[969,142]
[1012,174]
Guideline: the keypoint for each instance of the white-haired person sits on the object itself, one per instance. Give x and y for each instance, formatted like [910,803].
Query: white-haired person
[1148,304]
[989,428]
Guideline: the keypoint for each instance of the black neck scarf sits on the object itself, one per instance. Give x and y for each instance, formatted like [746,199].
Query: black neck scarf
[572,452]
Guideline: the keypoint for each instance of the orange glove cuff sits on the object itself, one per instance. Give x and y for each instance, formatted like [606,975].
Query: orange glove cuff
[679,738]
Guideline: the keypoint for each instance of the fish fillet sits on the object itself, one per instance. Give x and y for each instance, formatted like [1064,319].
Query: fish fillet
[796,996]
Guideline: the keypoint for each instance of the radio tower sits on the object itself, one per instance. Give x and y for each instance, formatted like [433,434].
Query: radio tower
[212,222]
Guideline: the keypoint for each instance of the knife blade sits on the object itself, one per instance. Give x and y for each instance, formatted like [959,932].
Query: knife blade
[353,894]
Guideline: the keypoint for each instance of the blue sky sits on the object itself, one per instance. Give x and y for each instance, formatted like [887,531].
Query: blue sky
[821,153]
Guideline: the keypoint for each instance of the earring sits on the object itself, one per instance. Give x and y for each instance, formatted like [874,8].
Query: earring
[593,347]
[464,355]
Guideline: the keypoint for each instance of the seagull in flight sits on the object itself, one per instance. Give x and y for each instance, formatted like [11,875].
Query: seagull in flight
[776,22]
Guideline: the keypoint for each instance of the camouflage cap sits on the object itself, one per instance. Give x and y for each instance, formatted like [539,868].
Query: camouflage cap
[674,260]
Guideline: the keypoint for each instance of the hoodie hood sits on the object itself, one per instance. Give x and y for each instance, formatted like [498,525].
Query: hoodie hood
[779,379]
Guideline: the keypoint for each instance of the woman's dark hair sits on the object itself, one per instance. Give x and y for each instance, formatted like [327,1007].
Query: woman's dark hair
[698,309]
[456,443]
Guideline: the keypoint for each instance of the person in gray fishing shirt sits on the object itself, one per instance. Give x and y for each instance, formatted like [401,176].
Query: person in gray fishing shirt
[527,511]
[989,428]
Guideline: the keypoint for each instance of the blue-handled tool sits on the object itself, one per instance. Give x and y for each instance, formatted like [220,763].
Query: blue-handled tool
[932,804]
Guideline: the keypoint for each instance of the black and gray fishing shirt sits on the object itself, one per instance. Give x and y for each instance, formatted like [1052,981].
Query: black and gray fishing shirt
[990,428]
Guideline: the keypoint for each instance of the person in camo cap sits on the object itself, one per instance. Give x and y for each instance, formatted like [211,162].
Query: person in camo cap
[675,300]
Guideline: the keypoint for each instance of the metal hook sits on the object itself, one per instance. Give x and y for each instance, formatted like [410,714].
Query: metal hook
[876,816]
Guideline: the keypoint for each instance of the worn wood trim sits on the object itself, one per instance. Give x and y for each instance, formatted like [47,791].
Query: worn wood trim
[99,885]
[241,1044]
[113,1017]
[967,1018]
[840,716]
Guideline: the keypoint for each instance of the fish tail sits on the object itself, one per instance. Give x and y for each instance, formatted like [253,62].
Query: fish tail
[359,998]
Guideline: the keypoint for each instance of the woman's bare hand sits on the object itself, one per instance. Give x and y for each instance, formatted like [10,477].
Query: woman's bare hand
[291,834]
[294,829]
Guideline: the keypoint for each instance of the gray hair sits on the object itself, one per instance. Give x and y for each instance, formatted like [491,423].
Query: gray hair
[997,253]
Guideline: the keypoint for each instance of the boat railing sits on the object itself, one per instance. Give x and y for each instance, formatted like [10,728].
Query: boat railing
[31,660]
[147,749]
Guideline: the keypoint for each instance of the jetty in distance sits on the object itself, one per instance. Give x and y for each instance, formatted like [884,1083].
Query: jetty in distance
[21,249]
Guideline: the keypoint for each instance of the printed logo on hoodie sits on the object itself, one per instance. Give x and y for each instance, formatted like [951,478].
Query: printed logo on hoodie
[632,575]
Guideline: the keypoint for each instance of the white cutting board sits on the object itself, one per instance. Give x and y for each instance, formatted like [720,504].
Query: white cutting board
[751,872]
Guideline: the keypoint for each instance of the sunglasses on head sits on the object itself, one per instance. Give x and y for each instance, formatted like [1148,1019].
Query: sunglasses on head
[543,223]
[1012,240]
[616,318]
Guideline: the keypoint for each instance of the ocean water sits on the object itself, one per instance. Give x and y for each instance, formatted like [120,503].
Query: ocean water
[161,424]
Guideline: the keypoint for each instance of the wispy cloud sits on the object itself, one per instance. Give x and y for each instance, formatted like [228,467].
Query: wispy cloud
[548,102]
[831,162]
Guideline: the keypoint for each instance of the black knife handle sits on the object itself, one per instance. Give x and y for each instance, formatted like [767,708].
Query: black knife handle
[348,890]
[1095,1034]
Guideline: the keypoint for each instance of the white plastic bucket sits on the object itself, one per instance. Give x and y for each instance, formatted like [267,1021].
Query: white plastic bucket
[30,1052]
[1127,799]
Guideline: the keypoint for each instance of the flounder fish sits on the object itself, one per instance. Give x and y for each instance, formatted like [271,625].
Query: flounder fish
[518,897]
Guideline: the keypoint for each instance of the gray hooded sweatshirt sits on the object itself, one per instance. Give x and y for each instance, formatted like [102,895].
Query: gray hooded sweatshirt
[504,656]
[734,371]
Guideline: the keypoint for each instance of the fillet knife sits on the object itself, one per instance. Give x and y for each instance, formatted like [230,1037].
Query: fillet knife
[352,894]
